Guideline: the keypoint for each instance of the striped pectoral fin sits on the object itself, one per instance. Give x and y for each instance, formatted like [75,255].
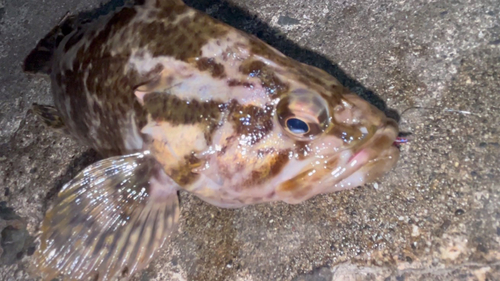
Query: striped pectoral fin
[109,221]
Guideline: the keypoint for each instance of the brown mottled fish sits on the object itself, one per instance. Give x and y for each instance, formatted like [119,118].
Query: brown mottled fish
[176,100]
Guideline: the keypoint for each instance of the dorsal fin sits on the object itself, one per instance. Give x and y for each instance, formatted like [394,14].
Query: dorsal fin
[39,59]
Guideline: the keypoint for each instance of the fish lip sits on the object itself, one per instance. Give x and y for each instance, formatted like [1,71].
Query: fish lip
[379,147]
[381,142]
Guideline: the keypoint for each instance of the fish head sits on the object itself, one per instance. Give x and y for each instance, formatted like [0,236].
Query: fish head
[319,138]
[340,141]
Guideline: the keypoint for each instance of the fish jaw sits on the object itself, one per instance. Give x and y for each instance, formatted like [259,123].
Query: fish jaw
[370,161]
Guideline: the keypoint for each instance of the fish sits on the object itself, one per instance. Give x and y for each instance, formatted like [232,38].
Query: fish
[174,101]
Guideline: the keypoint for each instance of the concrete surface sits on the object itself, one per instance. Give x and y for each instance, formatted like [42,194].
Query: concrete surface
[435,217]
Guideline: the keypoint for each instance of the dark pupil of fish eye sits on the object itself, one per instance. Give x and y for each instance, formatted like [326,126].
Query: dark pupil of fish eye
[297,126]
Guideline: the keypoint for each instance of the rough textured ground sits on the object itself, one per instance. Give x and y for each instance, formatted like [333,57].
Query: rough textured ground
[435,217]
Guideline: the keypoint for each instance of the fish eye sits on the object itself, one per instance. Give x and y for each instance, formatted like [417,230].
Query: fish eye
[303,114]
[297,126]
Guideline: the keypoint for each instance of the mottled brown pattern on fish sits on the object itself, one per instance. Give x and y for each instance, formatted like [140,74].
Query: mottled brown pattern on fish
[346,133]
[183,174]
[252,121]
[381,142]
[288,186]
[182,40]
[170,108]
[262,49]
[107,53]
[302,149]
[331,164]
[237,83]
[210,65]
[272,168]
[73,40]
[298,186]
[267,76]
[228,170]
[102,84]
[228,141]
[312,77]
[209,131]
[152,79]
[110,48]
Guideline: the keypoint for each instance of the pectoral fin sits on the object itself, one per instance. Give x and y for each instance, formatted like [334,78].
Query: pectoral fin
[109,220]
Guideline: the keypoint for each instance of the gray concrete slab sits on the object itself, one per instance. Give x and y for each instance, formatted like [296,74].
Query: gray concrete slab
[436,216]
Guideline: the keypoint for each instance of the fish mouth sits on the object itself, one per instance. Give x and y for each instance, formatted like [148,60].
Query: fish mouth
[367,162]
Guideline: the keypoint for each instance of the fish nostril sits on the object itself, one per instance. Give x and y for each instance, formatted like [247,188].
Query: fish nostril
[346,117]
[391,123]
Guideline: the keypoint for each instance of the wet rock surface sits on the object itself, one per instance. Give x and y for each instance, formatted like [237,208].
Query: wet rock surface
[14,238]
[434,217]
